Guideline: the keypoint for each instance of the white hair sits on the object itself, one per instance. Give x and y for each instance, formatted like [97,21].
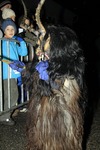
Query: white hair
[7,13]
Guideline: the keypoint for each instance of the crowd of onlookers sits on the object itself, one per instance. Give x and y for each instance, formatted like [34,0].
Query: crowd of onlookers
[22,31]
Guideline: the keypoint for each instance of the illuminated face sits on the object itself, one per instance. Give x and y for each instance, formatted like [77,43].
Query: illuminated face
[9,32]
[27,22]
[43,53]
[47,44]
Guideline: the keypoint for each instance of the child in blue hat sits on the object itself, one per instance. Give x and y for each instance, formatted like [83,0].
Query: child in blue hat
[11,50]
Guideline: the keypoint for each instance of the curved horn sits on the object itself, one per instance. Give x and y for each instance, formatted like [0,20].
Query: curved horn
[25,9]
[37,16]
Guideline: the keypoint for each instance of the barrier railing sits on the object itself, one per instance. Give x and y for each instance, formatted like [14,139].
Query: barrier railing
[24,100]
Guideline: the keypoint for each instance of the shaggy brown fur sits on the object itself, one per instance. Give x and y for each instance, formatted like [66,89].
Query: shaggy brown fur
[55,112]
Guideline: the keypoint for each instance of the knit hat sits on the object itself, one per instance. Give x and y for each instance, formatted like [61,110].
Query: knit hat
[8,22]
[7,13]
[4,2]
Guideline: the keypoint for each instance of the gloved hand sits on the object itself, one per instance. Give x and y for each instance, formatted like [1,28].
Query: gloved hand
[41,67]
[17,65]
[19,39]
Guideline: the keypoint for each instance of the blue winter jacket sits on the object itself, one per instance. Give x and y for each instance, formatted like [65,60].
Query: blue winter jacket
[11,51]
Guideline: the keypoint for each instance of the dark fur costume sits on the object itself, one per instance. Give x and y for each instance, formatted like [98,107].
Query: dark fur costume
[56,107]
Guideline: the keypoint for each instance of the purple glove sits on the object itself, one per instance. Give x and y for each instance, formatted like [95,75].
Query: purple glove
[17,65]
[19,39]
[41,67]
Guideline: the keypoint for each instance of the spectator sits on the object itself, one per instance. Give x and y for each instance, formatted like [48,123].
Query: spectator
[4,4]
[15,50]
[29,33]
[8,13]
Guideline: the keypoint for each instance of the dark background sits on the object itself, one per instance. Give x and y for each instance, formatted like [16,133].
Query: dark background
[84,17]
[81,15]
[86,12]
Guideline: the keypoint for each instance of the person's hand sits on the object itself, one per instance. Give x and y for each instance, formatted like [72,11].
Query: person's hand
[19,39]
[41,67]
[17,65]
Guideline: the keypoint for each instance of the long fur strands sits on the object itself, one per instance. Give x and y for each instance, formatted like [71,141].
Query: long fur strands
[56,107]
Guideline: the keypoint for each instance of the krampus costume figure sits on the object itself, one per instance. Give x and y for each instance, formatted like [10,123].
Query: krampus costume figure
[56,105]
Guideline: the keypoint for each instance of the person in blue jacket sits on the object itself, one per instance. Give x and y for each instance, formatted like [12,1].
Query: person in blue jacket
[11,50]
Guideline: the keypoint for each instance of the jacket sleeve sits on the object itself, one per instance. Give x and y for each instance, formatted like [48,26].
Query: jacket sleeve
[22,48]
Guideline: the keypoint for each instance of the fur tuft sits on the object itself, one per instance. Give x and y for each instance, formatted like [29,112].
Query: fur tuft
[55,114]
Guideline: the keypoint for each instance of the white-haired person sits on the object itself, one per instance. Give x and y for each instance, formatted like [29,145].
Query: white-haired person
[4,4]
[8,13]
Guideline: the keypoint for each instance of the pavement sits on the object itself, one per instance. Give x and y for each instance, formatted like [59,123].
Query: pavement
[14,137]
[93,140]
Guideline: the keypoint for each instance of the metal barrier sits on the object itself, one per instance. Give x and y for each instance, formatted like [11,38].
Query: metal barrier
[23,102]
